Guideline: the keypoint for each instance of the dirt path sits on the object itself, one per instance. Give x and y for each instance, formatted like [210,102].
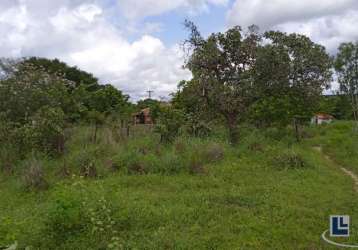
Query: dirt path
[347,172]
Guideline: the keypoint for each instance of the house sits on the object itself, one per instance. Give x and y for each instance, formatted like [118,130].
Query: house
[142,117]
[321,118]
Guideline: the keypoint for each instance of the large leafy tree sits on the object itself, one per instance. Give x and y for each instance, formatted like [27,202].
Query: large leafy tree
[73,74]
[84,87]
[28,89]
[346,65]
[34,106]
[223,67]
[291,73]
[108,99]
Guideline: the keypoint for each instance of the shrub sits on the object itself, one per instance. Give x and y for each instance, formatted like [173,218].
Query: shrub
[170,163]
[81,216]
[7,160]
[86,162]
[103,223]
[66,217]
[128,160]
[277,133]
[169,124]
[137,167]
[34,177]
[289,160]
[197,127]
[214,152]
[254,141]
[179,146]
[111,165]
[47,130]
[196,164]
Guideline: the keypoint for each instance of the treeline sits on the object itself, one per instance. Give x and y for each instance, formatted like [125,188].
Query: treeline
[40,98]
[267,79]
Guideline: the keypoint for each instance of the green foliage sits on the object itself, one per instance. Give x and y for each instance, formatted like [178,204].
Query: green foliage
[196,192]
[66,217]
[39,97]
[153,105]
[271,111]
[346,67]
[7,159]
[340,142]
[223,66]
[169,123]
[337,105]
[47,130]
[75,213]
[205,186]
[291,73]
[85,162]
[28,90]
[73,74]
[184,155]
[197,127]
[238,77]
[34,176]
[107,99]
[289,159]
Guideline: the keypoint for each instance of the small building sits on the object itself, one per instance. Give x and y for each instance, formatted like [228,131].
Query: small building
[142,117]
[321,118]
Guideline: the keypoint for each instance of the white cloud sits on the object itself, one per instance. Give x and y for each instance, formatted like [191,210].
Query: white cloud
[269,13]
[328,22]
[78,33]
[134,9]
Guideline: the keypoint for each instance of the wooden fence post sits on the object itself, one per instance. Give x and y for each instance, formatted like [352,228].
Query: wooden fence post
[128,130]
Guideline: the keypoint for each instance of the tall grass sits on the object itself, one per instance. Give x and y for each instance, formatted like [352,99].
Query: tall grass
[194,193]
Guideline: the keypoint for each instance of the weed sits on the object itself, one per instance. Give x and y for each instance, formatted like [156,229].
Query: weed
[34,177]
[289,160]
[214,152]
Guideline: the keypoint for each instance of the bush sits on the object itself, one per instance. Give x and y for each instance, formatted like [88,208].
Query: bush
[7,160]
[189,155]
[170,163]
[289,160]
[197,127]
[79,217]
[196,164]
[34,177]
[65,219]
[85,161]
[46,131]
[214,152]
[169,124]
[253,142]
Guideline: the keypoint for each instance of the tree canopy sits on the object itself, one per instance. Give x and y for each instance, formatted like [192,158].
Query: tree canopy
[271,77]
[346,65]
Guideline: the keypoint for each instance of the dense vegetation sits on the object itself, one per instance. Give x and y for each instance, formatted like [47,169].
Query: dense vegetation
[194,193]
[222,167]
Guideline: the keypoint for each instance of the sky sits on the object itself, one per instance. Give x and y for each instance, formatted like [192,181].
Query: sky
[135,44]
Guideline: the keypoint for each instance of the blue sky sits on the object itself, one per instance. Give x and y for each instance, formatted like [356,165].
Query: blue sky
[135,44]
[209,21]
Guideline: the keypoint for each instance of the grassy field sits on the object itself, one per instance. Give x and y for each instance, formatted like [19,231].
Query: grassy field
[266,193]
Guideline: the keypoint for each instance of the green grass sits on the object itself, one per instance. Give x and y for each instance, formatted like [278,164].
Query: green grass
[340,142]
[254,197]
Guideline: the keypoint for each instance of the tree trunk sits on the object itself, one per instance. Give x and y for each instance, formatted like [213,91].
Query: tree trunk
[128,130]
[95,133]
[297,130]
[233,129]
[355,111]
[60,144]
